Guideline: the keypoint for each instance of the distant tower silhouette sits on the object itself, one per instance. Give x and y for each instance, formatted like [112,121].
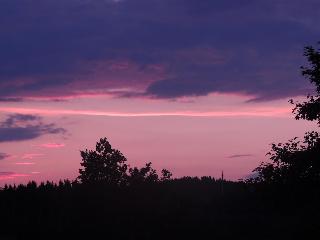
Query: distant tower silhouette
[222,180]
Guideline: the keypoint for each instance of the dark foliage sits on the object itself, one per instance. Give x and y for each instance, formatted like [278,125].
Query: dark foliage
[142,175]
[293,163]
[186,208]
[297,163]
[310,110]
[108,166]
[105,164]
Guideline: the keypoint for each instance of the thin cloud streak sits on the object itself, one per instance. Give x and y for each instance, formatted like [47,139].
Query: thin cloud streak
[32,155]
[258,112]
[24,163]
[240,155]
[11,175]
[50,145]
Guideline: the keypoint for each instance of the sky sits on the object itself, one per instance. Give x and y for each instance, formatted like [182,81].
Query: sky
[197,87]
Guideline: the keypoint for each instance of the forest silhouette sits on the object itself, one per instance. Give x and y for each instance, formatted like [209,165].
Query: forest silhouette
[111,200]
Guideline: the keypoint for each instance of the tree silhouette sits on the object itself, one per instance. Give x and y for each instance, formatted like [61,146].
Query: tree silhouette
[147,174]
[166,175]
[294,162]
[108,165]
[105,164]
[297,162]
[310,110]
[143,175]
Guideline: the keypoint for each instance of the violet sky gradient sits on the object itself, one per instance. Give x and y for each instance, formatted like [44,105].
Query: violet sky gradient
[193,86]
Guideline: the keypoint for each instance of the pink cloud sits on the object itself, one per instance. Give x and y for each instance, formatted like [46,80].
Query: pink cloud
[51,145]
[31,155]
[11,175]
[24,163]
[111,78]
[246,112]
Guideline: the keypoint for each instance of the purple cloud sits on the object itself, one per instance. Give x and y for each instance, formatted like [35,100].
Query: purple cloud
[257,46]
[20,127]
[4,156]
[6,173]
[240,155]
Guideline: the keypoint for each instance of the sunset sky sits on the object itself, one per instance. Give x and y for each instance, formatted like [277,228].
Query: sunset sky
[194,86]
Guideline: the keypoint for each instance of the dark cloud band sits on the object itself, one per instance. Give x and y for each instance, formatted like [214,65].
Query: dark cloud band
[4,156]
[20,127]
[246,46]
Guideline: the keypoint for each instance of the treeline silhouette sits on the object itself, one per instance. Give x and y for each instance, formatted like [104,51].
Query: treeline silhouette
[111,200]
[184,208]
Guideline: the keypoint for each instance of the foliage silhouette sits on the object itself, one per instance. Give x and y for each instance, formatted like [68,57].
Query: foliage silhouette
[105,164]
[166,175]
[142,175]
[184,208]
[310,110]
[293,162]
[297,163]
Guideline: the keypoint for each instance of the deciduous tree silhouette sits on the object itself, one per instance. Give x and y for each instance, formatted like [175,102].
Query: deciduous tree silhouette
[143,175]
[108,165]
[310,110]
[297,162]
[105,164]
[147,174]
[294,162]
[166,175]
